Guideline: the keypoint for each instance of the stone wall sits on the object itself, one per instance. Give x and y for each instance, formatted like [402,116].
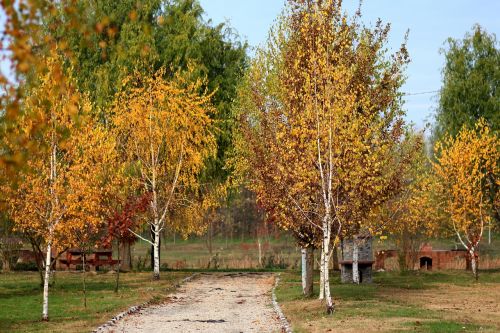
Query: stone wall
[365,260]
[364,249]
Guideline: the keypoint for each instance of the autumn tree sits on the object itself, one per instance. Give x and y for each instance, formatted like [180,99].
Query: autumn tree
[465,166]
[470,89]
[335,123]
[25,42]
[343,119]
[59,190]
[122,220]
[165,131]
[257,160]
[414,213]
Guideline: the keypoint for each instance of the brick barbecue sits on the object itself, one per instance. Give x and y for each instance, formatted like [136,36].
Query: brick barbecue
[428,258]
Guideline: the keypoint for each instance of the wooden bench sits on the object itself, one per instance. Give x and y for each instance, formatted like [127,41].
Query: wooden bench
[94,259]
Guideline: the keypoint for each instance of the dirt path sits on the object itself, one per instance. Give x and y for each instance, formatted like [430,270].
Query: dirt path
[239,302]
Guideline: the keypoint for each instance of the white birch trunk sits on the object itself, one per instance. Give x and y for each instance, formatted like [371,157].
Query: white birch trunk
[355,260]
[489,233]
[473,262]
[303,253]
[45,306]
[322,276]
[326,273]
[156,253]
[307,271]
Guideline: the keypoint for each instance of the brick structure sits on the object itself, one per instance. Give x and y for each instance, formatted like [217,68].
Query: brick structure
[365,259]
[428,258]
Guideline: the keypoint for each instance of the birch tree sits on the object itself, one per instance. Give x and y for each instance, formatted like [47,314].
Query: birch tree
[258,162]
[464,167]
[343,117]
[329,114]
[58,192]
[166,134]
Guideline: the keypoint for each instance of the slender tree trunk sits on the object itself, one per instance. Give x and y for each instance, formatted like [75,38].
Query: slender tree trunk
[5,263]
[153,239]
[84,282]
[489,233]
[303,256]
[259,244]
[322,276]
[307,271]
[326,272]
[355,260]
[117,281]
[156,252]
[45,307]
[473,261]
[125,255]
[335,259]
[209,238]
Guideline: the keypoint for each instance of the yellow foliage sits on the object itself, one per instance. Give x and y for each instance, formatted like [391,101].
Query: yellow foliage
[164,131]
[59,191]
[468,169]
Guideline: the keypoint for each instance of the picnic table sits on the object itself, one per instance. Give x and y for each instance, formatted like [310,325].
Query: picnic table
[94,259]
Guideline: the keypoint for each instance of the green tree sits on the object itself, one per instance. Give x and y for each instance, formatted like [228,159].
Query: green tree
[471,77]
[144,36]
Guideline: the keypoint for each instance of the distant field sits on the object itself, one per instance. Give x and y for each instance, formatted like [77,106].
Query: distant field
[236,254]
[21,299]
[276,252]
[445,301]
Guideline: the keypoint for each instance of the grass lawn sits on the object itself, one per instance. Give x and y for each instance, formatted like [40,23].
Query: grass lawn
[233,254]
[445,301]
[279,252]
[21,299]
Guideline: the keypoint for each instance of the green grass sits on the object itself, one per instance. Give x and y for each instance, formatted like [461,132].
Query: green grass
[242,253]
[21,299]
[237,254]
[443,326]
[388,302]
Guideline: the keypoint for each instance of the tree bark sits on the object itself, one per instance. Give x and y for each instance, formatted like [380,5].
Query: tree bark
[322,276]
[156,253]
[117,281]
[355,260]
[45,306]
[307,271]
[124,254]
[473,261]
[303,256]
[259,244]
[84,282]
[5,263]
[209,239]
[152,248]
[335,259]
[326,272]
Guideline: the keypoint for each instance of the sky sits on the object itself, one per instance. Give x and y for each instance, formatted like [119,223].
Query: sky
[430,23]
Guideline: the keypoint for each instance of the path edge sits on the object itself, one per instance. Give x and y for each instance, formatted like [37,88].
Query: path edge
[285,325]
[137,308]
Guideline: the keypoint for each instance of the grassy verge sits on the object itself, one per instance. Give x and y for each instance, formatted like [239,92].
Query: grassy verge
[21,299]
[446,301]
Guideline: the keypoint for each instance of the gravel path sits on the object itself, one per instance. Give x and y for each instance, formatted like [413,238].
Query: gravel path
[239,302]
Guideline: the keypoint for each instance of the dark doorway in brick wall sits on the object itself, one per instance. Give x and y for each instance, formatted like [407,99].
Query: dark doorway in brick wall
[426,263]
